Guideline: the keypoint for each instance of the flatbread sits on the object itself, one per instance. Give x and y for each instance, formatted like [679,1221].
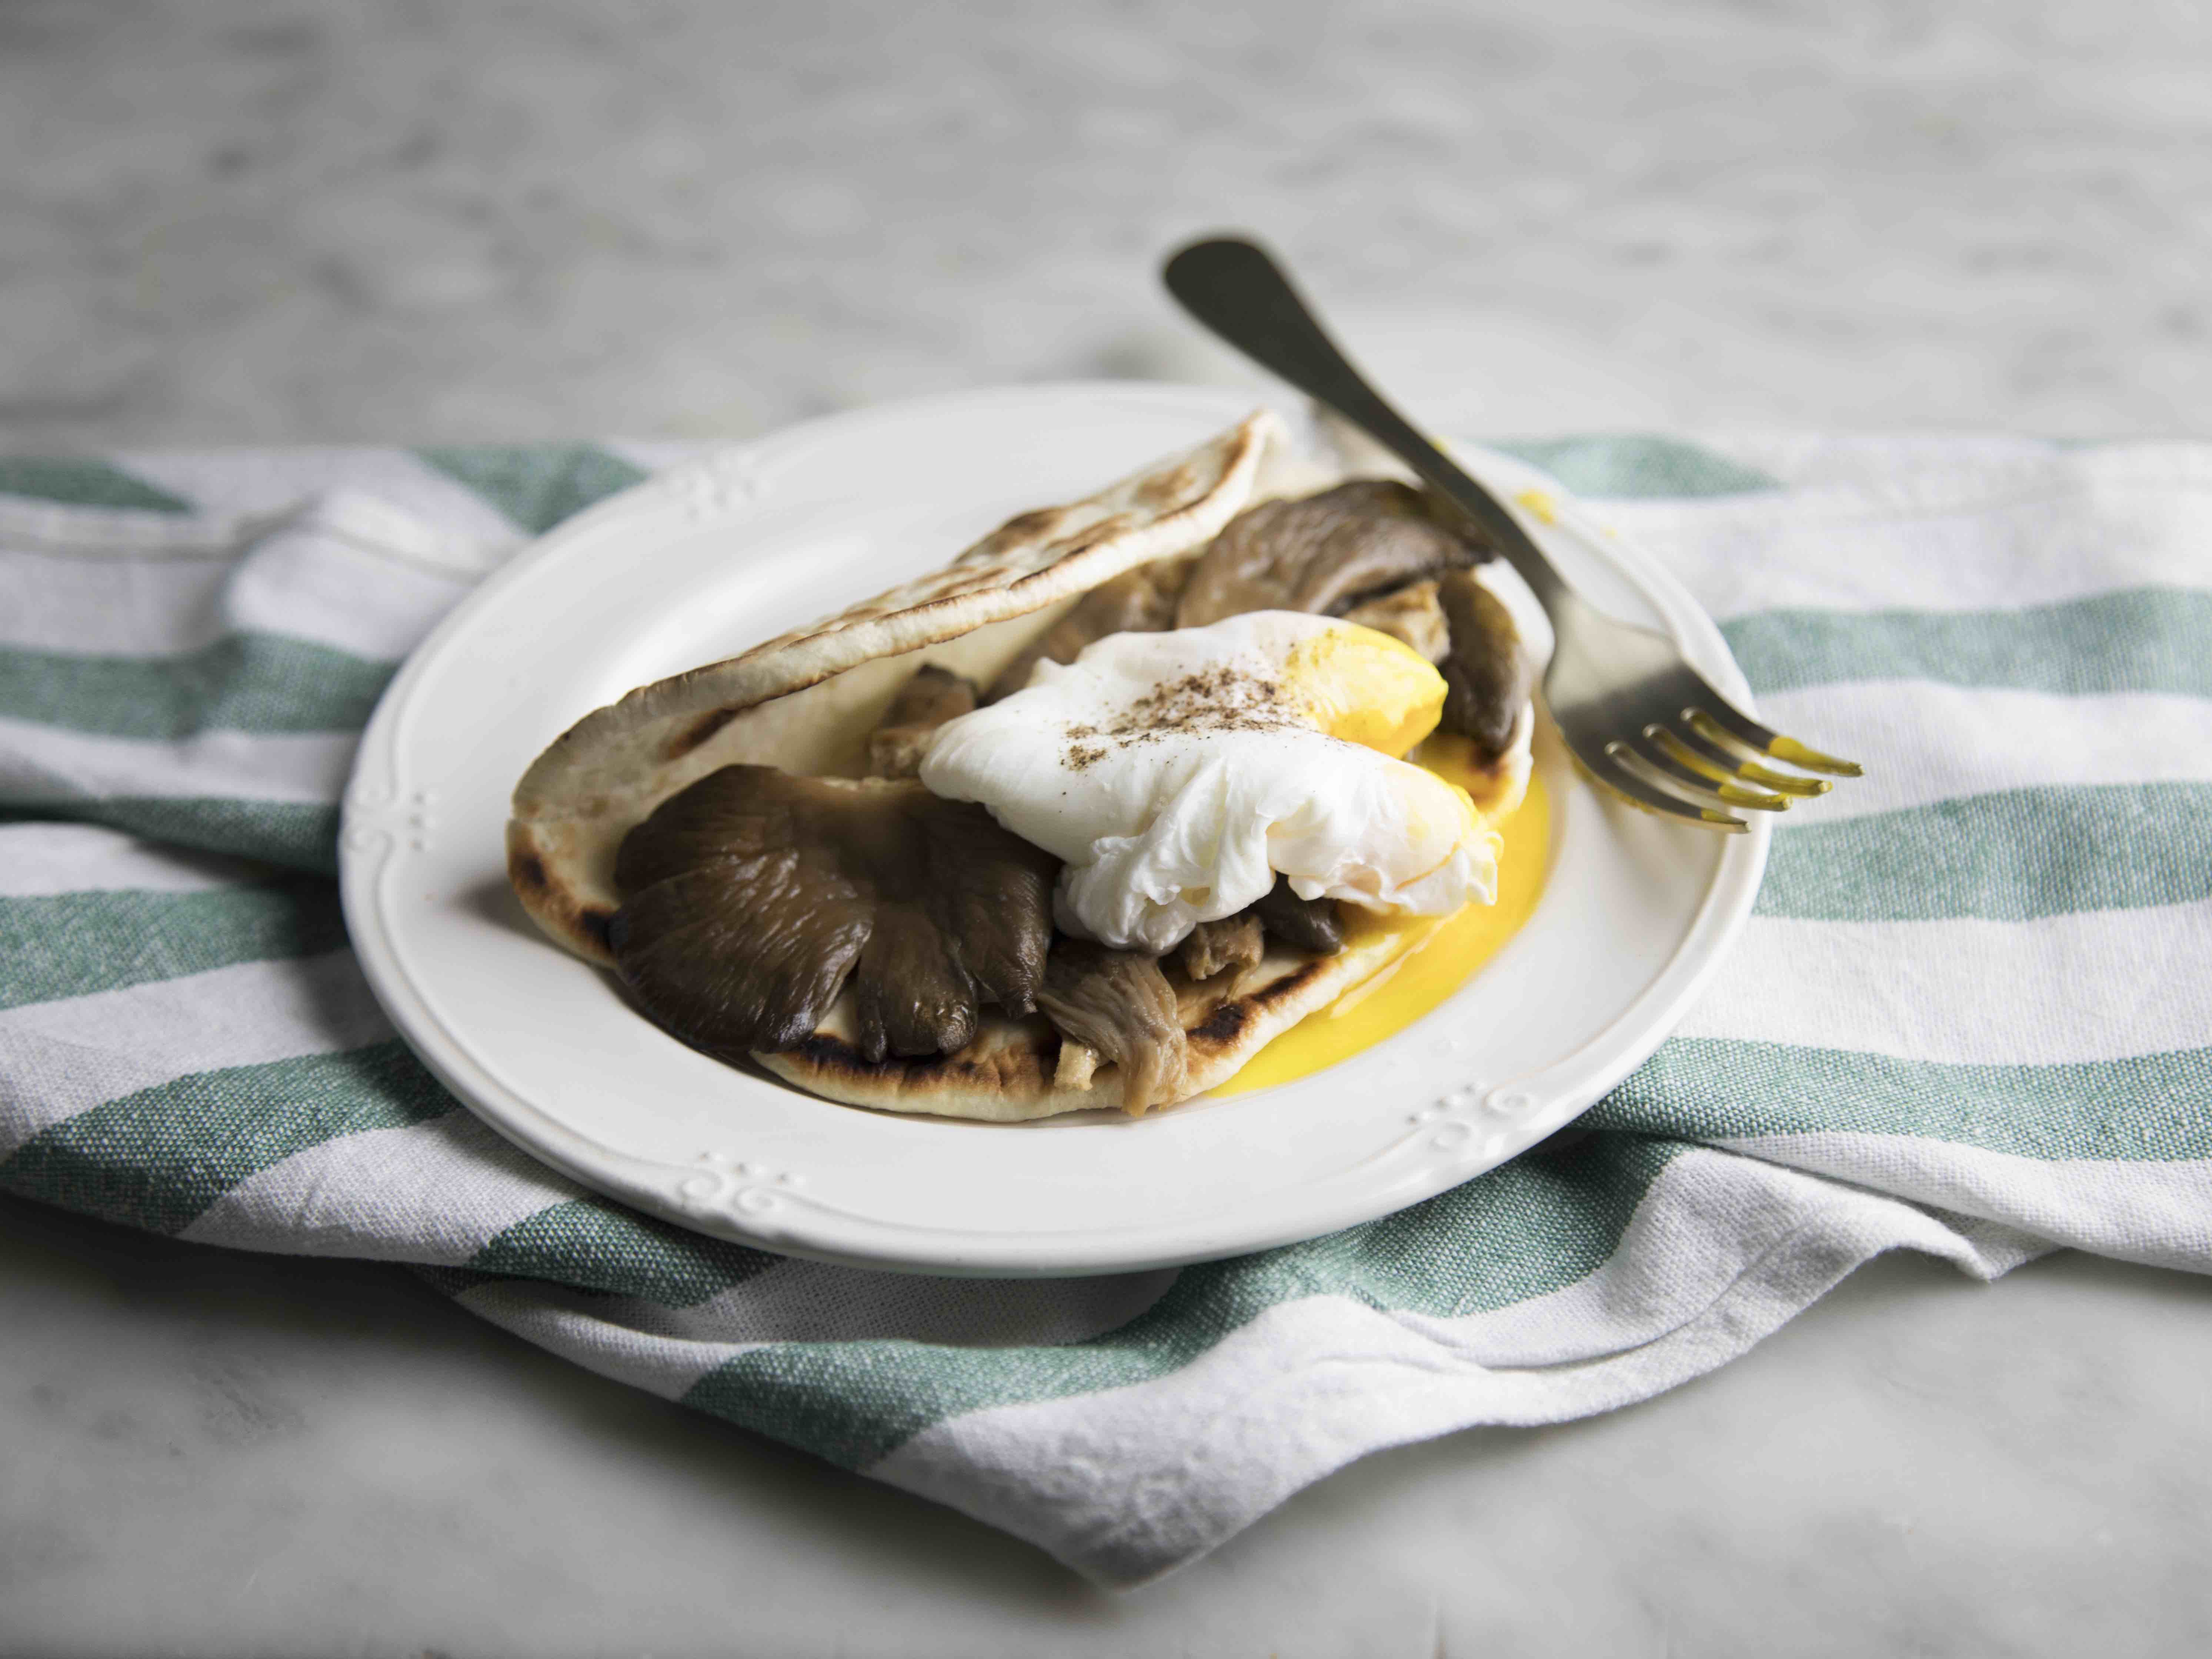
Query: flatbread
[806,700]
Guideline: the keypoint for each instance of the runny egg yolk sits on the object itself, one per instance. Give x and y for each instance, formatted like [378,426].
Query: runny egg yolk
[1362,686]
[1366,687]
[1421,960]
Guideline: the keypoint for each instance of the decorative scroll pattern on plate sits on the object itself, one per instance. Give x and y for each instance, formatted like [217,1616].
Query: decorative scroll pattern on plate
[377,819]
[715,487]
[724,1184]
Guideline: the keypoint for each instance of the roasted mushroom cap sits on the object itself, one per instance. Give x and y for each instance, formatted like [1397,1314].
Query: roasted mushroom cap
[1487,675]
[931,696]
[1139,601]
[1322,554]
[1120,1004]
[751,897]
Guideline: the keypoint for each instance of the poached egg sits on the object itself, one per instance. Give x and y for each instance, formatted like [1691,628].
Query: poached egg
[1175,774]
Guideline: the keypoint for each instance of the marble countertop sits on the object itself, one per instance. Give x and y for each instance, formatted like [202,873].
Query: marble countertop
[233,222]
[242,224]
[213,1453]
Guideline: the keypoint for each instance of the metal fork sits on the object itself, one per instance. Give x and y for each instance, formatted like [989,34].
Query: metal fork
[1642,722]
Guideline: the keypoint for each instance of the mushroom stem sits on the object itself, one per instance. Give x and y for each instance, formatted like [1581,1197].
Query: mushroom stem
[1215,946]
[1119,1002]
[1078,1063]
[932,696]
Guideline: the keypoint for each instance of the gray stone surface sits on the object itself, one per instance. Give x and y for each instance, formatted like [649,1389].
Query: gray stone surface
[223,223]
[212,1454]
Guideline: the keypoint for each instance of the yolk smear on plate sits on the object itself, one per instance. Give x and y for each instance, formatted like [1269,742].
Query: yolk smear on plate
[1433,957]
[1540,502]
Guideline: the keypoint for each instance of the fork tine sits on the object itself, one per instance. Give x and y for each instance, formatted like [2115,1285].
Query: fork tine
[1721,763]
[1611,775]
[1654,753]
[1735,723]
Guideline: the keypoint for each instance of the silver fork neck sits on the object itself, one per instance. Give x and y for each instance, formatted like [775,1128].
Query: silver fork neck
[1235,289]
[1445,475]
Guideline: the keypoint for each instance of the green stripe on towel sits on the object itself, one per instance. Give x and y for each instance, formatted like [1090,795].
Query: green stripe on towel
[1546,1221]
[600,1246]
[255,683]
[2012,855]
[1636,467]
[535,485]
[2147,1109]
[2142,640]
[158,1157]
[301,834]
[74,945]
[83,483]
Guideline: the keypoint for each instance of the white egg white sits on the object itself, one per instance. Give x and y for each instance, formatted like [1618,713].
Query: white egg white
[1165,818]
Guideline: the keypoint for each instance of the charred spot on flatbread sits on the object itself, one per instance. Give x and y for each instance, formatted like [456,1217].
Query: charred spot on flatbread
[1231,1022]
[699,731]
[581,923]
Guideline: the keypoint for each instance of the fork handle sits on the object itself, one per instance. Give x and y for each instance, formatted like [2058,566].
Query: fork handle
[1235,289]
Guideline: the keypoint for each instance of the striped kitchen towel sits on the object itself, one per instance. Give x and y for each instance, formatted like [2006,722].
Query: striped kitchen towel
[1972,1015]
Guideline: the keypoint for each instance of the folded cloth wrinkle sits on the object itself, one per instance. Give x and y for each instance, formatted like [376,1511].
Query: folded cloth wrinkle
[1973,1015]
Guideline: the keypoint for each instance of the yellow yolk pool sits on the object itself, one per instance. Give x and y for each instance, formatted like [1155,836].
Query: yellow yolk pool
[1425,959]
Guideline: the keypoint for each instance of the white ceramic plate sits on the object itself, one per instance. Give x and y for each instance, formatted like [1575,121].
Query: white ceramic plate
[721,553]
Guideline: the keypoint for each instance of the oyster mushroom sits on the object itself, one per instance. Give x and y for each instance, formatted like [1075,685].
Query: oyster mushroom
[1214,947]
[1410,615]
[1324,554]
[1138,601]
[753,898]
[930,697]
[1487,675]
[1119,1004]
[1301,923]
